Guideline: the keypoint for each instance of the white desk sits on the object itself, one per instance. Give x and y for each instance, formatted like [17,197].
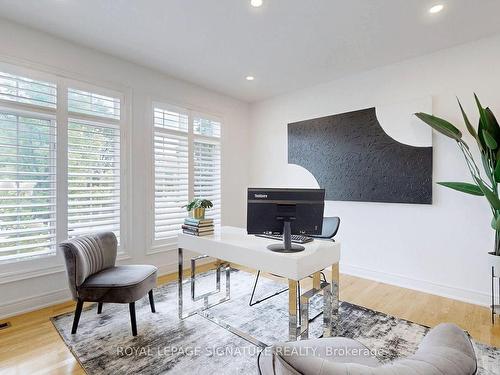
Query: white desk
[234,245]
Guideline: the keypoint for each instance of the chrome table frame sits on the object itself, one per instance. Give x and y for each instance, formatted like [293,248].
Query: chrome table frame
[296,330]
[330,306]
[192,281]
[202,311]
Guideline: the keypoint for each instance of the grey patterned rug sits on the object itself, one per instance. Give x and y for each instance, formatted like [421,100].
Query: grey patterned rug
[104,344]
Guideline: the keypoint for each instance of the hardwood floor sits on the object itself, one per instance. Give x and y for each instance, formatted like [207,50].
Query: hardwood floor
[33,346]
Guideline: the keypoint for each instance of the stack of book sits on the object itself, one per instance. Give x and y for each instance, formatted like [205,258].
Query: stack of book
[198,227]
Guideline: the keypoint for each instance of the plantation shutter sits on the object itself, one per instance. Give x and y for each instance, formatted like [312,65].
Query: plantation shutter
[207,175]
[27,167]
[207,163]
[27,91]
[170,172]
[93,104]
[93,164]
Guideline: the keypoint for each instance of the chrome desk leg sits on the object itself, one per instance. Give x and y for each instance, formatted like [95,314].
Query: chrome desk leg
[292,309]
[331,305]
[205,296]
[318,287]
[180,281]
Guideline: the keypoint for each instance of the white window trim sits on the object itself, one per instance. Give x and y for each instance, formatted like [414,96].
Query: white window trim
[156,246]
[21,269]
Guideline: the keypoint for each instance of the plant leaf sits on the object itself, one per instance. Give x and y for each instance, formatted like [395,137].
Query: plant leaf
[494,128]
[496,223]
[463,187]
[496,173]
[490,141]
[491,118]
[480,136]
[482,113]
[486,165]
[483,123]
[440,125]
[469,126]
[492,198]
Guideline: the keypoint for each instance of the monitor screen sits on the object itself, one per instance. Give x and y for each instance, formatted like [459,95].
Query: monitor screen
[268,209]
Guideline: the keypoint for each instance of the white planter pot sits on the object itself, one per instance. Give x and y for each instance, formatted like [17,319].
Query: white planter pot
[494,260]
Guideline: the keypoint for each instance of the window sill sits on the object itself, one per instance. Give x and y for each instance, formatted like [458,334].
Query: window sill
[18,275]
[28,258]
[162,248]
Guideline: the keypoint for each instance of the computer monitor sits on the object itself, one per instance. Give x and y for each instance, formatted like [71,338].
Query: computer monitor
[287,212]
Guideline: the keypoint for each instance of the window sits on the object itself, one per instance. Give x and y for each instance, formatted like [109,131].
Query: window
[24,90]
[33,126]
[93,104]
[93,163]
[27,185]
[93,178]
[207,164]
[187,165]
[171,172]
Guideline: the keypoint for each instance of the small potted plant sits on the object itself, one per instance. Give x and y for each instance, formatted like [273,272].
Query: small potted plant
[197,206]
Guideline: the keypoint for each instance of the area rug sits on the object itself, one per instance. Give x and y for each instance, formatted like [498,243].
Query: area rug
[166,345]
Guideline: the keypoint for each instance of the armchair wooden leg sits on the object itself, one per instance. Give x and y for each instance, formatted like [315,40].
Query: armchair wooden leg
[99,307]
[132,318]
[152,301]
[78,312]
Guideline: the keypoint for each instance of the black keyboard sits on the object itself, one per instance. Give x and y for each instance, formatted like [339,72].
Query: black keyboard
[296,238]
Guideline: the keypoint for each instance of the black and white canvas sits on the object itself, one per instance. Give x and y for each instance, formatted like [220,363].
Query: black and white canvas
[369,155]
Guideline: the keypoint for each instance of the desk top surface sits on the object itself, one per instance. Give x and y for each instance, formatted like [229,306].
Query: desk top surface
[235,245]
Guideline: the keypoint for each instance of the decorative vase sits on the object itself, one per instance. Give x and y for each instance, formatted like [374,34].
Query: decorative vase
[198,213]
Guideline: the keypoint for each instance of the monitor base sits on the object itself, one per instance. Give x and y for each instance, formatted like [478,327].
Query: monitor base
[280,248]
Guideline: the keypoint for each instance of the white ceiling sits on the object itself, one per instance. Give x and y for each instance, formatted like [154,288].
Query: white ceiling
[286,44]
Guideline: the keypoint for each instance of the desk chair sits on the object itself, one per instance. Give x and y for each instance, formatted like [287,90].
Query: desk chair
[330,228]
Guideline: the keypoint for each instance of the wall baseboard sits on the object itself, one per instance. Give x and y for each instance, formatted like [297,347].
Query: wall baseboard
[464,295]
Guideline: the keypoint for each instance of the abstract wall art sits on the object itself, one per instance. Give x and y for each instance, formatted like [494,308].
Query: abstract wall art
[354,157]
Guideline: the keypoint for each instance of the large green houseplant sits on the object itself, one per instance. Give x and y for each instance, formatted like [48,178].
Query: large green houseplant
[485,183]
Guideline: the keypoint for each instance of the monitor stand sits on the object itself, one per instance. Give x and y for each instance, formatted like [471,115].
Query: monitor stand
[287,246]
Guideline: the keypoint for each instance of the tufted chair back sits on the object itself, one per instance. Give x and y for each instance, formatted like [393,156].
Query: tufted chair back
[87,255]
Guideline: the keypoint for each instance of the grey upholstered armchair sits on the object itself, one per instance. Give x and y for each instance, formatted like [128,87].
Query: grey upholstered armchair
[93,276]
[446,350]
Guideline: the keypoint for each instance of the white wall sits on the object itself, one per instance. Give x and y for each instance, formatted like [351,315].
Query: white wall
[440,248]
[21,289]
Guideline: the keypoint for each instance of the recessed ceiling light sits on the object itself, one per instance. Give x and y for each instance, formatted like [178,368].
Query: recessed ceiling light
[249,78]
[256,3]
[436,8]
